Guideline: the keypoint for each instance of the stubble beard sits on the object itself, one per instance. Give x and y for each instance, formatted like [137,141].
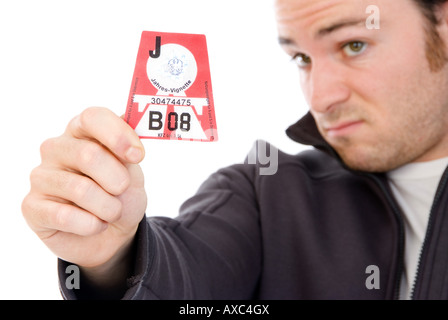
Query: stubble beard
[409,141]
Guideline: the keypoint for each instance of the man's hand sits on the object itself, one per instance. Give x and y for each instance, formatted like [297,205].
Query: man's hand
[87,196]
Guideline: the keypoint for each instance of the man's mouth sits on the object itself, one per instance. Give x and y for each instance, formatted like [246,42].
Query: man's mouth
[342,128]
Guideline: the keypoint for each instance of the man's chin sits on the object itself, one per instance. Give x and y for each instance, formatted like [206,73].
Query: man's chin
[374,162]
[365,167]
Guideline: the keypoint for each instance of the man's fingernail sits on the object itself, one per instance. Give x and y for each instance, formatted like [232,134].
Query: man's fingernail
[134,155]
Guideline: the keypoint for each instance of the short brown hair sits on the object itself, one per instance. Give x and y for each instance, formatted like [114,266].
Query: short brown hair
[435,46]
[429,8]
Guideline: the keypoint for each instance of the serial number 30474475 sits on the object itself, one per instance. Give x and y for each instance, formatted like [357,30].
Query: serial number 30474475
[171,101]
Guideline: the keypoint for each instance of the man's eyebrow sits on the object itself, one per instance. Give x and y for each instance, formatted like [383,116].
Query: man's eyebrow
[339,25]
[285,41]
[325,31]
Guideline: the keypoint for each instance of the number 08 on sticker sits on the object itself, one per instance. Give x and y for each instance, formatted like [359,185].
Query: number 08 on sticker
[171,92]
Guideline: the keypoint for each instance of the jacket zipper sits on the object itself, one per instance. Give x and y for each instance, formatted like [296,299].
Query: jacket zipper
[440,188]
[398,214]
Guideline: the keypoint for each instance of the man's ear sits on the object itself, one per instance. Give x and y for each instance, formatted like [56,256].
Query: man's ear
[437,38]
[442,18]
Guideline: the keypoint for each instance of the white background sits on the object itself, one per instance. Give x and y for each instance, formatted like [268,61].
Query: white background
[60,57]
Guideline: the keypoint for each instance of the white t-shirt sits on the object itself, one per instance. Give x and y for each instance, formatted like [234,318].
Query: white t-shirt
[414,186]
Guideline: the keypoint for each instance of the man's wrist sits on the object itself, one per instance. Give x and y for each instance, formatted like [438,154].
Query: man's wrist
[109,280]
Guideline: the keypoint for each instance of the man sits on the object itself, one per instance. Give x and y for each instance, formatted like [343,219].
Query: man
[346,221]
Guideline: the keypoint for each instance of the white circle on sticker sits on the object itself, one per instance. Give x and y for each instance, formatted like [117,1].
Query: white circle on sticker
[174,71]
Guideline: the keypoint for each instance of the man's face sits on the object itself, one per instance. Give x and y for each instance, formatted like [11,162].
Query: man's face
[372,92]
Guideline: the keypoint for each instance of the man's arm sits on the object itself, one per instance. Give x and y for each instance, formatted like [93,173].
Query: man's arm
[212,250]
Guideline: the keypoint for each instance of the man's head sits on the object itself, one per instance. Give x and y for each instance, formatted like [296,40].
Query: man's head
[379,96]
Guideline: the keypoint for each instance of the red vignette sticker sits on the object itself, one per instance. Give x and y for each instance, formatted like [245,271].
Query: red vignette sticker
[171,92]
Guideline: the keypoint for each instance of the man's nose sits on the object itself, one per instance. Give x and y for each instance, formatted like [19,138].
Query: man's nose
[326,86]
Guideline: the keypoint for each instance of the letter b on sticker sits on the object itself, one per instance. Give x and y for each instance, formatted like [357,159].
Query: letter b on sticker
[373,280]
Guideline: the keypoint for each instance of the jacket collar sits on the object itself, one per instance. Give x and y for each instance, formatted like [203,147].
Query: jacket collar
[305,132]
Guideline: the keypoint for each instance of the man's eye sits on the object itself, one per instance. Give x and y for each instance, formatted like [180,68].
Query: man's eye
[354,48]
[302,60]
